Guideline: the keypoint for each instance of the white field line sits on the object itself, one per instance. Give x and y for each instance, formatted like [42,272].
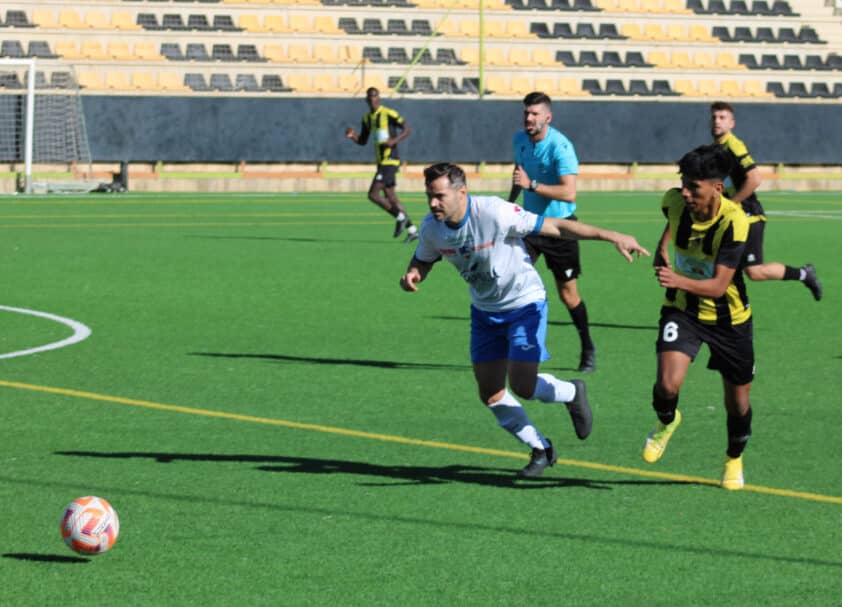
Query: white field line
[80,332]
[807,214]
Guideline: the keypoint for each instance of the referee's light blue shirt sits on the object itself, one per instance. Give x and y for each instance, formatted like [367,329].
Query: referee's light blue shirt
[546,161]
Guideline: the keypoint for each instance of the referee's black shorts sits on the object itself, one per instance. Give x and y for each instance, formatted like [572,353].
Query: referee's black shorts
[731,347]
[560,254]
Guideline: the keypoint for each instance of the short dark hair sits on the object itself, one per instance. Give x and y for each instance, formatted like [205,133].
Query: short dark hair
[718,106]
[538,98]
[710,161]
[372,90]
[455,175]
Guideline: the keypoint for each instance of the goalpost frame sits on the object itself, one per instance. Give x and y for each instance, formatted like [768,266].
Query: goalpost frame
[29,127]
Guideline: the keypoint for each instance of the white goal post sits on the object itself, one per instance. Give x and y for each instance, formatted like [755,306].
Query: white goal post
[41,122]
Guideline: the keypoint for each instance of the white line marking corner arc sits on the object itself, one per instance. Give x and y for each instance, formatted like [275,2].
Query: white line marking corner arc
[80,332]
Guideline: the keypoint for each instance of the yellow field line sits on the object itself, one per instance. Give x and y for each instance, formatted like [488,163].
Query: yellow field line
[406,441]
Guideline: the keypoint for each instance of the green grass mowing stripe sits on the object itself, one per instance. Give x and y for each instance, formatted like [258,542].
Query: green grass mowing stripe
[405,440]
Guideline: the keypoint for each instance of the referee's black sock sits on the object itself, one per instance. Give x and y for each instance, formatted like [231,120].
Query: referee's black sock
[739,431]
[664,407]
[791,273]
[579,314]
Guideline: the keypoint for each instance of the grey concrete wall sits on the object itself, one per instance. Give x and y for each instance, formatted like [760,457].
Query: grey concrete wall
[230,129]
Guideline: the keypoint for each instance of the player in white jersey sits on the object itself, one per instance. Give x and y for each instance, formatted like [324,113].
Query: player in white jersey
[482,236]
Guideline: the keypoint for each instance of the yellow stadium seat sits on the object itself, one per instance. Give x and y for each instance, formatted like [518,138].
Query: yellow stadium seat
[97,20]
[275,23]
[350,83]
[377,81]
[701,33]
[570,87]
[144,81]
[658,59]
[730,88]
[324,53]
[70,19]
[119,51]
[755,88]
[118,81]
[627,6]
[676,6]
[521,85]
[350,54]
[547,85]
[544,57]
[655,31]
[325,83]
[469,27]
[67,49]
[518,29]
[609,6]
[147,51]
[685,87]
[470,55]
[498,85]
[520,57]
[632,31]
[324,24]
[300,24]
[122,20]
[299,82]
[90,80]
[651,6]
[447,28]
[274,52]
[709,88]
[727,61]
[251,23]
[496,56]
[92,49]
[494,29]
[44,18]
[298,53]
[680,60]
[678,31]
[703,60]
[171,81]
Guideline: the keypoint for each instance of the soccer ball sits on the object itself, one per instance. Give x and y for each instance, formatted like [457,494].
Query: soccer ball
[90,525]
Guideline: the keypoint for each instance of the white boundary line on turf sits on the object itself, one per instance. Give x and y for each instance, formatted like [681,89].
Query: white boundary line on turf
[80,332]
[807,214]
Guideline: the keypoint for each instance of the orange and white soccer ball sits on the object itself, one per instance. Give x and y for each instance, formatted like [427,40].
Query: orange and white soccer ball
[90,525]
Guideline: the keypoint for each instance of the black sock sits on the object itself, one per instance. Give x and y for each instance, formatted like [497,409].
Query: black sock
[739,431]
[664,407]
[579,314]
[791,273]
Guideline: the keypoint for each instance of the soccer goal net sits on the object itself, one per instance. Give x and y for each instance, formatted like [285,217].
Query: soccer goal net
[42,128]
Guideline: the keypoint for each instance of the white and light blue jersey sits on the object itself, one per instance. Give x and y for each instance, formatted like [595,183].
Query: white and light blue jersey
[488,251]
[547,160]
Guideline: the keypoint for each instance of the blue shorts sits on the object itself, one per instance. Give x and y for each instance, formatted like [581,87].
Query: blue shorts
[514,335]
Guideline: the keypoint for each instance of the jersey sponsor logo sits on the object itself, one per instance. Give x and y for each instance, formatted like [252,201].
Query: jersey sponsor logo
[697,269]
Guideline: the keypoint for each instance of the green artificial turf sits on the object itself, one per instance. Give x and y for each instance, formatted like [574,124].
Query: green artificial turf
[277,423]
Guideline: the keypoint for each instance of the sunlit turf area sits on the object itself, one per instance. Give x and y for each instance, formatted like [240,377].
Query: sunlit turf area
[277,423]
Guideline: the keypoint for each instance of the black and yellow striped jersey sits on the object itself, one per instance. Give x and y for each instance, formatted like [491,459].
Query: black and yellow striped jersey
[741,163]
[382,124]
[698,249]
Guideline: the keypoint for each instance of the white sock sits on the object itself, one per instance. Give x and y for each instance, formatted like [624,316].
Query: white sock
[400,216]
[412,229]
[512,417]
[550,389]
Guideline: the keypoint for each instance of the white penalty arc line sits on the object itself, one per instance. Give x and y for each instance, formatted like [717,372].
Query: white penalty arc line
[80,332]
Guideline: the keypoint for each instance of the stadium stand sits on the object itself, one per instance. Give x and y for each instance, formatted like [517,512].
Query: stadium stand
[621,47]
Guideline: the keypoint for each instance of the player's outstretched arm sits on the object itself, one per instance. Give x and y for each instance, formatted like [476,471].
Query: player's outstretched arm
[662,254]
[626,244]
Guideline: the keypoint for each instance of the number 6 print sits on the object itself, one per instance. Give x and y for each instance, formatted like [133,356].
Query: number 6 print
[670,332]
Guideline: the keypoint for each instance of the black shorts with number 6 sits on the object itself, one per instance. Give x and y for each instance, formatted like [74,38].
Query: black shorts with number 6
[731,347]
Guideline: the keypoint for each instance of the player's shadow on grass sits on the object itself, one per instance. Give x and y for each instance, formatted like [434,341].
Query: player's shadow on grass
[44,558]
[603,325]
[398,475]
[319,360]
